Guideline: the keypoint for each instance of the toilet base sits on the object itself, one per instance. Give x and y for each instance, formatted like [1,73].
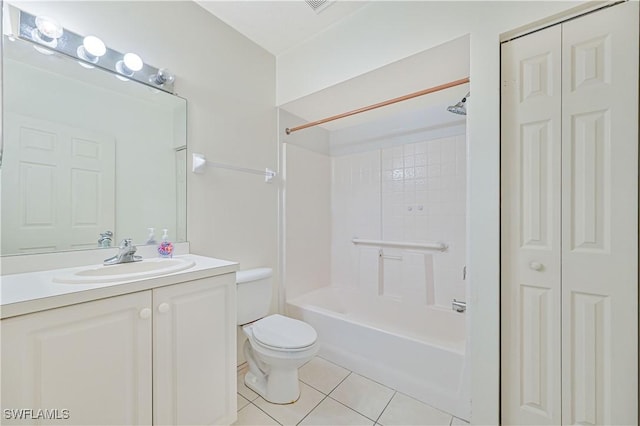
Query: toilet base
[276,384]
[255,383]
[260,386]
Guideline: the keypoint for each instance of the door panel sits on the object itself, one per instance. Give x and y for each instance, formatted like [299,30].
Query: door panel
[194,355]
[61,181]
[530,156]
[92,359]
[600,217]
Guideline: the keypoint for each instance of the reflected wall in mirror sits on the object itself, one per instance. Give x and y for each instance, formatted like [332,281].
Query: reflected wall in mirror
[85,152]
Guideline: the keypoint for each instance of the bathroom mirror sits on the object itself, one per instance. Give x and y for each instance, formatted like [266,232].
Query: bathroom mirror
[84,153]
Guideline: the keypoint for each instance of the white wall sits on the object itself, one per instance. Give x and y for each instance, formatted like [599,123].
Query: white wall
[307,209]
[383,32]
[308,221]
[228,82]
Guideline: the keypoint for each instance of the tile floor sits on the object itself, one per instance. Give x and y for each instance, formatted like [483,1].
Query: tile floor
[332,395]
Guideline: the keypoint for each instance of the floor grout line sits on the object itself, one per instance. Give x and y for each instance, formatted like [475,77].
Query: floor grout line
[266,413]
[385,407]
[353,409]
[248,402]
[311,411]
[369,378]
[323,392]
[336,386]
[312,387]
[328,394]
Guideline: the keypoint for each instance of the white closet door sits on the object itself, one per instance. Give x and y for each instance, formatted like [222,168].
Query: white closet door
[530,155]
[600,218]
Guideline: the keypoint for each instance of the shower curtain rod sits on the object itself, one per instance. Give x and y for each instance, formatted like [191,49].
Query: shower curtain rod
[380,104]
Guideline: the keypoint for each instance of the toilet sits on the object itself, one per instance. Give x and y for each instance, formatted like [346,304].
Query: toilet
[276,345]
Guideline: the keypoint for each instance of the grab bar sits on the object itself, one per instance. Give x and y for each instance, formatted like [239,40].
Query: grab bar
[402,244]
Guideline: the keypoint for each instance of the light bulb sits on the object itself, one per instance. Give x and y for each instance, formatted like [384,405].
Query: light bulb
[94,46]
[48,28]
[133,62]
[92,49]
[129,64]
[47,31]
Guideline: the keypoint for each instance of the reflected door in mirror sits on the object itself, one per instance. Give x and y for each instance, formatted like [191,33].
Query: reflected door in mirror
[60,181]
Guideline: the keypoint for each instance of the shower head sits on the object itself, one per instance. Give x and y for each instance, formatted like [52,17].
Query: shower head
[460,107]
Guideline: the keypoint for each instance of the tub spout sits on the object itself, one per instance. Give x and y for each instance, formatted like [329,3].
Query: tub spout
[458,306]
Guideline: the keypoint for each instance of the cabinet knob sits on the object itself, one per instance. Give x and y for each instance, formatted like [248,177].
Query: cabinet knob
[163,308]
[145,313]
[536,266]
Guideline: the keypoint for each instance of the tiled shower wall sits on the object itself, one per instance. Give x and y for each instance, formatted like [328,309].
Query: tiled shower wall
[413,193]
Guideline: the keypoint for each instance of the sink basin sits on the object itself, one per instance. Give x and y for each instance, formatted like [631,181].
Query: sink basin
[146,268]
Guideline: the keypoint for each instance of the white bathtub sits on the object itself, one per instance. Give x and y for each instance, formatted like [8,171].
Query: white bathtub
[418,350]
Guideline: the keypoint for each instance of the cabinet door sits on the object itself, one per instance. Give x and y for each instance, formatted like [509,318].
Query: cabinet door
[530,288]
[600,217]
[194,352]
[92,359]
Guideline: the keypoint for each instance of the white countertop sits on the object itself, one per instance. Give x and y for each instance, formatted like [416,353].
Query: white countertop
[35,291]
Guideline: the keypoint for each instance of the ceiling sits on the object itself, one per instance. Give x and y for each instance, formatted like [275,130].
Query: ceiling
[279,25]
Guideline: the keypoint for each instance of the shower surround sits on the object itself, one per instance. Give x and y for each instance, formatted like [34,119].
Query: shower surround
[381,311]
[408,193]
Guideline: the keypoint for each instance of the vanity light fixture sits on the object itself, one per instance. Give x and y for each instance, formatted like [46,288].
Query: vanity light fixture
[49,37]
[91,49]
[47,31]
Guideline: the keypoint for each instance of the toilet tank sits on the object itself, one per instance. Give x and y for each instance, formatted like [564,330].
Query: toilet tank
[253,294]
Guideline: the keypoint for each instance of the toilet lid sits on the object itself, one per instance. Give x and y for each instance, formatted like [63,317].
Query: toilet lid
[278,331]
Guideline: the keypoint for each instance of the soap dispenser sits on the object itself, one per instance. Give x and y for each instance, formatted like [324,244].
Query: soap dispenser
[165,249]
[151,238]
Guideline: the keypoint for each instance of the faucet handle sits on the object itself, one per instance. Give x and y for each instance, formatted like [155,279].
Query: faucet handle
[106,234]
[458,305]
[127,243]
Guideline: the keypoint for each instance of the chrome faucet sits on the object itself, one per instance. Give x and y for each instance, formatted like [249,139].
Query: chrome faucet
[126,253]
[105,239]
[458,306]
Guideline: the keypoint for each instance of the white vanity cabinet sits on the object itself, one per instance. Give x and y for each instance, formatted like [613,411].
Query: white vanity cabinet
[160,356]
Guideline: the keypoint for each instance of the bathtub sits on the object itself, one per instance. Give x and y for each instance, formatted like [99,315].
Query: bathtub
[417,350]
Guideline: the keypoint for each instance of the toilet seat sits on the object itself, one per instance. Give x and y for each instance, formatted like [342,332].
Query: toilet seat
[277,332]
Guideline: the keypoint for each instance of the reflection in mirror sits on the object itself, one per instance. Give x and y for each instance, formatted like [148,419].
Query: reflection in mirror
[85,153]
